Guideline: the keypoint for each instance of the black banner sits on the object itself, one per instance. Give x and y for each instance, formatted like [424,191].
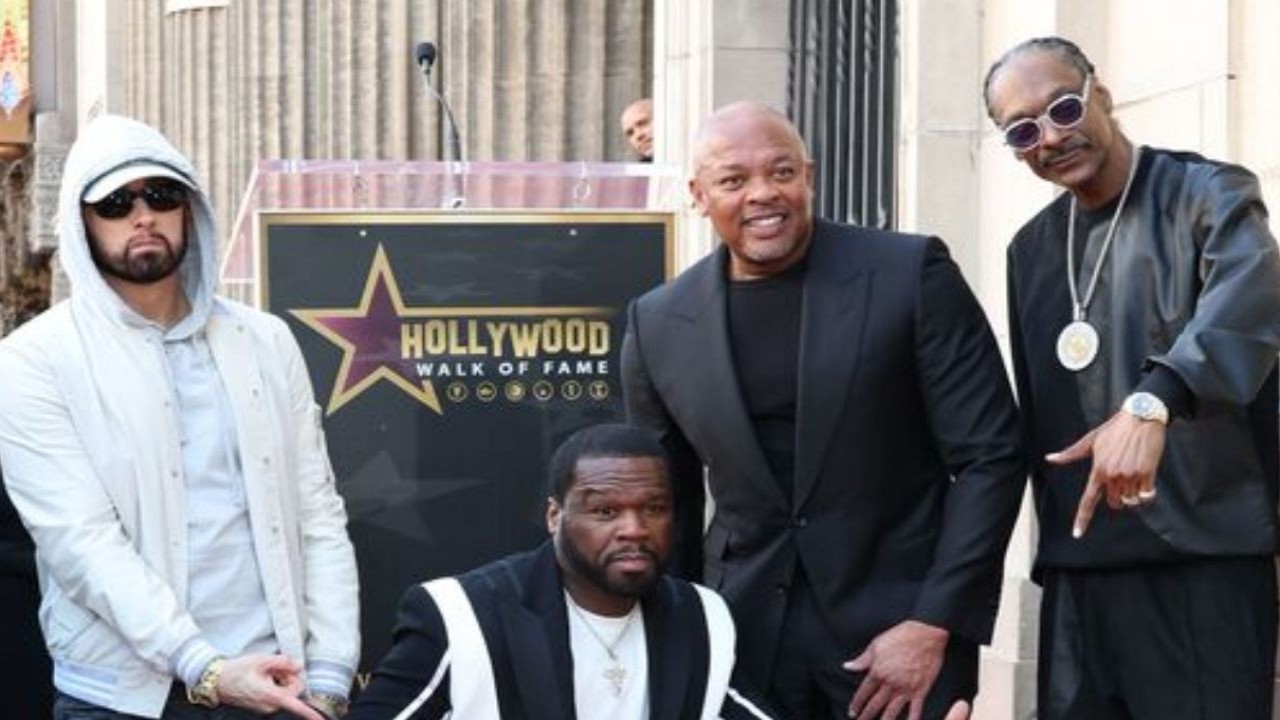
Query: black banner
[451,354]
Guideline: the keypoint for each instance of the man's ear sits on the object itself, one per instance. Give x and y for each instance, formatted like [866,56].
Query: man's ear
[1103,95]
[553,516]
[699,197]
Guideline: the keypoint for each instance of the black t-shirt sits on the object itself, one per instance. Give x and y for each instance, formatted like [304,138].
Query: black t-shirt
[1160,380]
[764,334]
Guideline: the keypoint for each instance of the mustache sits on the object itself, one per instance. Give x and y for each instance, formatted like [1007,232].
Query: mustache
[1051,157]
[148,236]
[630,552]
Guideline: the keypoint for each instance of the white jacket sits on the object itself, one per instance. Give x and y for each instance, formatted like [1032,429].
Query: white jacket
[91,456]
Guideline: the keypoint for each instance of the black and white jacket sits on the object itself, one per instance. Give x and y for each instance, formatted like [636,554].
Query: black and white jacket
[494,643]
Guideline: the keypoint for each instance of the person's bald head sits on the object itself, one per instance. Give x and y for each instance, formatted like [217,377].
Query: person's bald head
[721,125]
[753,179]
[636,122]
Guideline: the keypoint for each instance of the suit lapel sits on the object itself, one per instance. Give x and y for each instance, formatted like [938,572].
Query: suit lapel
[669,666]
[536,630]
[836,296]
[701,327]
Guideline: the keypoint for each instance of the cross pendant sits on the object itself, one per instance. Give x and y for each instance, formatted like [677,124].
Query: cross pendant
[616,675]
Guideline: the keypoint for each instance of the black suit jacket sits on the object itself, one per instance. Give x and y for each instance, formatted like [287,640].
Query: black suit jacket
[908,471]
[519,604]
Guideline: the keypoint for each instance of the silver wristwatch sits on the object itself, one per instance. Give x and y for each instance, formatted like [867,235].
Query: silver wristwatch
[1145,406]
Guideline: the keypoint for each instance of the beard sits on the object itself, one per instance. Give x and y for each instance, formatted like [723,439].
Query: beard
[625,585]
[144,268]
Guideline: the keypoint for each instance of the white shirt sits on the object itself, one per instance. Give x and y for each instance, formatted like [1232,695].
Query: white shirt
[604,687]
[225,593]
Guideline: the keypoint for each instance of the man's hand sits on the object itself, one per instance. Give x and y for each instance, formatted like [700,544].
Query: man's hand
[264,684]
[1126,452]
[959,711]
[900,665]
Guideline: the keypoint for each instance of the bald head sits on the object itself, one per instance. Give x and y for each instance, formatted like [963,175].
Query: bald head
[636,123]
[736,120]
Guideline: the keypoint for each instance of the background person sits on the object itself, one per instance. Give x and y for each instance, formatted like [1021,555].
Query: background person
[636,122]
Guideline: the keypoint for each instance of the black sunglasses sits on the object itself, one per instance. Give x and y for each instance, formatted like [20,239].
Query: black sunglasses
[1064,113]
[159,195]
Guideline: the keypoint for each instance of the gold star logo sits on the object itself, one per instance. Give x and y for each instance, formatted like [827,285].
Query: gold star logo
[369,336]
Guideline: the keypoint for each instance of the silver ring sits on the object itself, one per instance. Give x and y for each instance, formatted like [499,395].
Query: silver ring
[1130,500]
[1147,495]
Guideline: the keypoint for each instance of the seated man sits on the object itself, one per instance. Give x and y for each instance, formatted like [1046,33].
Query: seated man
[586,625]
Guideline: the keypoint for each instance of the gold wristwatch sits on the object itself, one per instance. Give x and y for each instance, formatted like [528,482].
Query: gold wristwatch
[206,690]
[329,705]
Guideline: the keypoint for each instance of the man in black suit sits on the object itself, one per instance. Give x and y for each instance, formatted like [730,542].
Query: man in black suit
[845,394]
[586,626]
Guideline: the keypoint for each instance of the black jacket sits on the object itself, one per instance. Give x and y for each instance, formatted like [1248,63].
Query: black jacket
[520,607]
[1190,290]
[908,470]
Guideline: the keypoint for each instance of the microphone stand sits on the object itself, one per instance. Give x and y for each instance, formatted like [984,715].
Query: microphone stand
[457,194]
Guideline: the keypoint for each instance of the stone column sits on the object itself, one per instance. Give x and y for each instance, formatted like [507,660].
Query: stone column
[55,44]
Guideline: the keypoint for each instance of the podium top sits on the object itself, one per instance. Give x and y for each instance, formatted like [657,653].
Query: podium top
[371,185]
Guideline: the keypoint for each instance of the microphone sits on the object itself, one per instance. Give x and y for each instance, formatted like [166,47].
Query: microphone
[425,55]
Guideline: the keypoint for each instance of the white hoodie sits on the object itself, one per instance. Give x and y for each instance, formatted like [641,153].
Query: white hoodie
[92,460]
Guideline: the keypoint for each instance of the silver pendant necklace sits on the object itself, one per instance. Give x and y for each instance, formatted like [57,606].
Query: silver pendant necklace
[616,673]
[1078,342]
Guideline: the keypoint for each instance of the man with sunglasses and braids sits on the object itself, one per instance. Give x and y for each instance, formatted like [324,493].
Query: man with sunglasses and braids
[163,448]
[1145,324]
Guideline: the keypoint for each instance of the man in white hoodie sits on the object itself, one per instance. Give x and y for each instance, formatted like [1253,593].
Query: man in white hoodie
[163,447]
